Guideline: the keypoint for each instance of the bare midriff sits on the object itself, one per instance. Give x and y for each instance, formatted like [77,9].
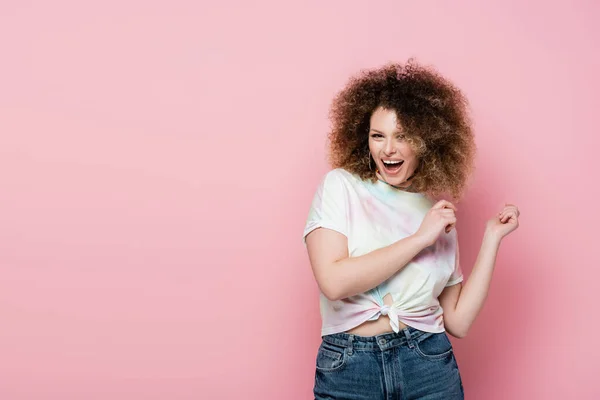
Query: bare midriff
[377,327]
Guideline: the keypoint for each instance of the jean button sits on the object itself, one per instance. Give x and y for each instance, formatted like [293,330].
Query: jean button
[381,341]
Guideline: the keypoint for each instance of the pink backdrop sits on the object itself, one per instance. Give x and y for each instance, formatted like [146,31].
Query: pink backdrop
[157,160]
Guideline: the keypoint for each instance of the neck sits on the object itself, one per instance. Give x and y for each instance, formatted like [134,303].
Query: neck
[403,186]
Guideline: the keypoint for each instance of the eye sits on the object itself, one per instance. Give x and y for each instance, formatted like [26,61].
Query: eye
[376,135]
[401,137]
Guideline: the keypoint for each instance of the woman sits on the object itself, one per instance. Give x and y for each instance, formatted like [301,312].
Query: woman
[383,252]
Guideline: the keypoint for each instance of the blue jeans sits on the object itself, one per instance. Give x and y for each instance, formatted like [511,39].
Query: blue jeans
[411,364]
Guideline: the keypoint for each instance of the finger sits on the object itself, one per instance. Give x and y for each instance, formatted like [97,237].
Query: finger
[509,215]
[443,204]
[508,210]
[449,227]
[508,207]
[451,222]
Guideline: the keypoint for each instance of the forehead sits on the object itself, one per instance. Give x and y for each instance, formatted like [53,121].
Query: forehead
[385,120]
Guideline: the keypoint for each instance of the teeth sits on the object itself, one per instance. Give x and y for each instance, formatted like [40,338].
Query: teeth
[391,162]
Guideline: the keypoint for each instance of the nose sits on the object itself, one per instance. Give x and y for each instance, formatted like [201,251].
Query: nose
[389,148]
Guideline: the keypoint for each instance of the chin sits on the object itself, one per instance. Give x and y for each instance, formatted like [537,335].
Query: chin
[394,181]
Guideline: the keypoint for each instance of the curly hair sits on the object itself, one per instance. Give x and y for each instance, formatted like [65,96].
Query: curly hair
[432,113]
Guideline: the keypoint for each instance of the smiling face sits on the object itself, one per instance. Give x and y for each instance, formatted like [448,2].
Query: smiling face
[394,156]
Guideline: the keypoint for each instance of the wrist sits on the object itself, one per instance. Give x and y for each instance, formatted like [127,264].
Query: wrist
[492,237]
[419,241]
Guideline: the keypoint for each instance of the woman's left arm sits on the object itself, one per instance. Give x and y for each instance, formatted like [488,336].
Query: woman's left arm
[462,303]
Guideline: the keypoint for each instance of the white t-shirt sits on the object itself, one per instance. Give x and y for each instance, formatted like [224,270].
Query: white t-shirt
[372,216]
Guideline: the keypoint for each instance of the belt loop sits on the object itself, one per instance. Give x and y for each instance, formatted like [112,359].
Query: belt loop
[350,339]
[409,339]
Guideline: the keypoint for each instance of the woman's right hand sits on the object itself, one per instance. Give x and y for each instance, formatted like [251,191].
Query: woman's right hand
[440,218]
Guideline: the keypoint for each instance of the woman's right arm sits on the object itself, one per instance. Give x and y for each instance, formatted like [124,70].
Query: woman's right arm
[340,276]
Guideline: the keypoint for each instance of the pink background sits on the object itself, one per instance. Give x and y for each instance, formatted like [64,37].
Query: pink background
[157,160]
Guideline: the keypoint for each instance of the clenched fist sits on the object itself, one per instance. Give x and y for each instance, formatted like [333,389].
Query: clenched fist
[504,222]
[440,218]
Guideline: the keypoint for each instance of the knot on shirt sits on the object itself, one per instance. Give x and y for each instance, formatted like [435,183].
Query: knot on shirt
[385,309]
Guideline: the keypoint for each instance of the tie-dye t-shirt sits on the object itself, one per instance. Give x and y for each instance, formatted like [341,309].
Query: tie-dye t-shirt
[374,215]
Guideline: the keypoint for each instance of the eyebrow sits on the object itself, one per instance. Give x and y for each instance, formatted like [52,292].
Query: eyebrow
[375,130]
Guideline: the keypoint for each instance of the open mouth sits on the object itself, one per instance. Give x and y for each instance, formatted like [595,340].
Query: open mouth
[392,166]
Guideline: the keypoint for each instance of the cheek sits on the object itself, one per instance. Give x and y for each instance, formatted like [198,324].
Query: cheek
[413,160]
[409,154]
[373,148]
[414,165]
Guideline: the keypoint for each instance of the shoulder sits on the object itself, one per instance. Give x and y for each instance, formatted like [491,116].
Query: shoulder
[341,176]
[338,184]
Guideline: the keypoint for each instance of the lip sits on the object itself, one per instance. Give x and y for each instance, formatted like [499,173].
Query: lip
[389,172]
[391,159]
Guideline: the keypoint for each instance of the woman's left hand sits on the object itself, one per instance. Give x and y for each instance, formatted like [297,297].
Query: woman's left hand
[504,222]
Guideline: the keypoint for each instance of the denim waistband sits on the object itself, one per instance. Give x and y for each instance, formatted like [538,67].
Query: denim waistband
[378,342]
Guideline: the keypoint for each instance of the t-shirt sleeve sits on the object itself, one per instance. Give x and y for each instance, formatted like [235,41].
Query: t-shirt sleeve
[329,208]
[457,274]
